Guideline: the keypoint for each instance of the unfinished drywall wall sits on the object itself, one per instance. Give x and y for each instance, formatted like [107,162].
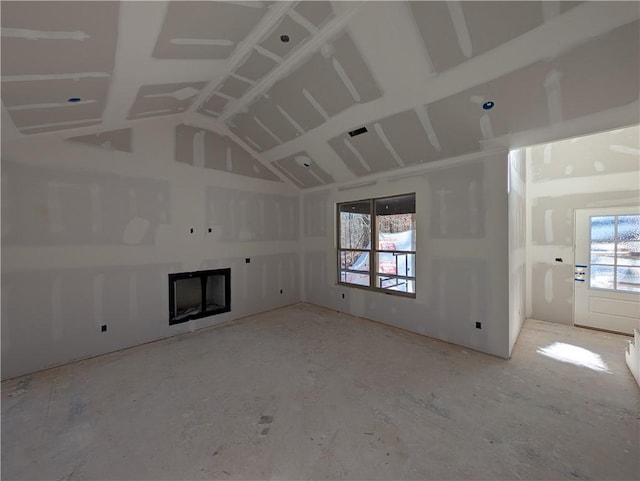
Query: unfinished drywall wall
[600,170]
[517,244]
[461,261]
[90,235]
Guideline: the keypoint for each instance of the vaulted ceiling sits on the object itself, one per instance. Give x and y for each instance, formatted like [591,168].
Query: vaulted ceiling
[272,89]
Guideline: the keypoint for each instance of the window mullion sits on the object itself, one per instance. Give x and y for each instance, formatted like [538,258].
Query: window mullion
[374,243]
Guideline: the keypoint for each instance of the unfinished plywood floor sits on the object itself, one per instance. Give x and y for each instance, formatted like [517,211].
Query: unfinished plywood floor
[306,393]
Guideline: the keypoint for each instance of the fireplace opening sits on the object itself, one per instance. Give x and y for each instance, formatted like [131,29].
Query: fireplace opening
[197,294]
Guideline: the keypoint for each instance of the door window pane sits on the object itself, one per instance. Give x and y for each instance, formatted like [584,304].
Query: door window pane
[602,277]
[603,228]
[629,227]
[628,253]
[603,253]
[628,279]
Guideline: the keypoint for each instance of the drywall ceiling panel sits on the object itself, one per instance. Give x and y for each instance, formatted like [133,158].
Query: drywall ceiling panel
[365,153]
[206,29]
[215,105]
[44,103]
[585,73]
[256,66]
[460,122]
[50,127]
[406,137]
[243,164]
[293,167]
[233,87]
[154,100]
[331,81]
[456,31]
[276,118]
[490,24]
[46,116]
[58,37]
[356,70]
[299,104]
[22,94]
[606,153]
[439,35]
[206,149]
[318,13]
[256,133]
[296,33]
[112,140]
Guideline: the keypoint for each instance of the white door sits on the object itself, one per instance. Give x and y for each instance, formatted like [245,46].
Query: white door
[607,269]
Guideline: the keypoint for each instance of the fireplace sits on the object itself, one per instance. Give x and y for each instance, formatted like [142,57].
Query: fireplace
[197,294]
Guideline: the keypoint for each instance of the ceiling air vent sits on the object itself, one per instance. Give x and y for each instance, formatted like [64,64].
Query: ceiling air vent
[359,131]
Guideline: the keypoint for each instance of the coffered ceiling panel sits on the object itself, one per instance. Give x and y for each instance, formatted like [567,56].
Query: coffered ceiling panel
[155,100]
[58,37]
[111,140]
[456,31]
[331,81]
[318,13]
[206,29]
[57,59]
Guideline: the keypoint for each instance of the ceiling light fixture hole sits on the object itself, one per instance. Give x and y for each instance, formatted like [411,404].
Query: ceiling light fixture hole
[488,105]
[284,38]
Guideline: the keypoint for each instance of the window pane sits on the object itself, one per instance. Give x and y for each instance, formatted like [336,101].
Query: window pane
[629,227]
[396,232]
[628,253]
[629,279]
[400,204]
[602,228]
[396,284]
[355,225]
[603,253]
[601,277]
[354,267]
[396,263]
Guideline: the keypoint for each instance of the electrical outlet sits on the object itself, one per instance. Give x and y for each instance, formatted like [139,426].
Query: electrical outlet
[281,291]
[343,295]
[478,325]
[247,260]
[103,328]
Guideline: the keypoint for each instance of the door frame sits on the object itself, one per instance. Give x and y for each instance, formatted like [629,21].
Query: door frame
[608,210]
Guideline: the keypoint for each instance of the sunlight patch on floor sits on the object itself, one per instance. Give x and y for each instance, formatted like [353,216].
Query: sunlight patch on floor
[579,356]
